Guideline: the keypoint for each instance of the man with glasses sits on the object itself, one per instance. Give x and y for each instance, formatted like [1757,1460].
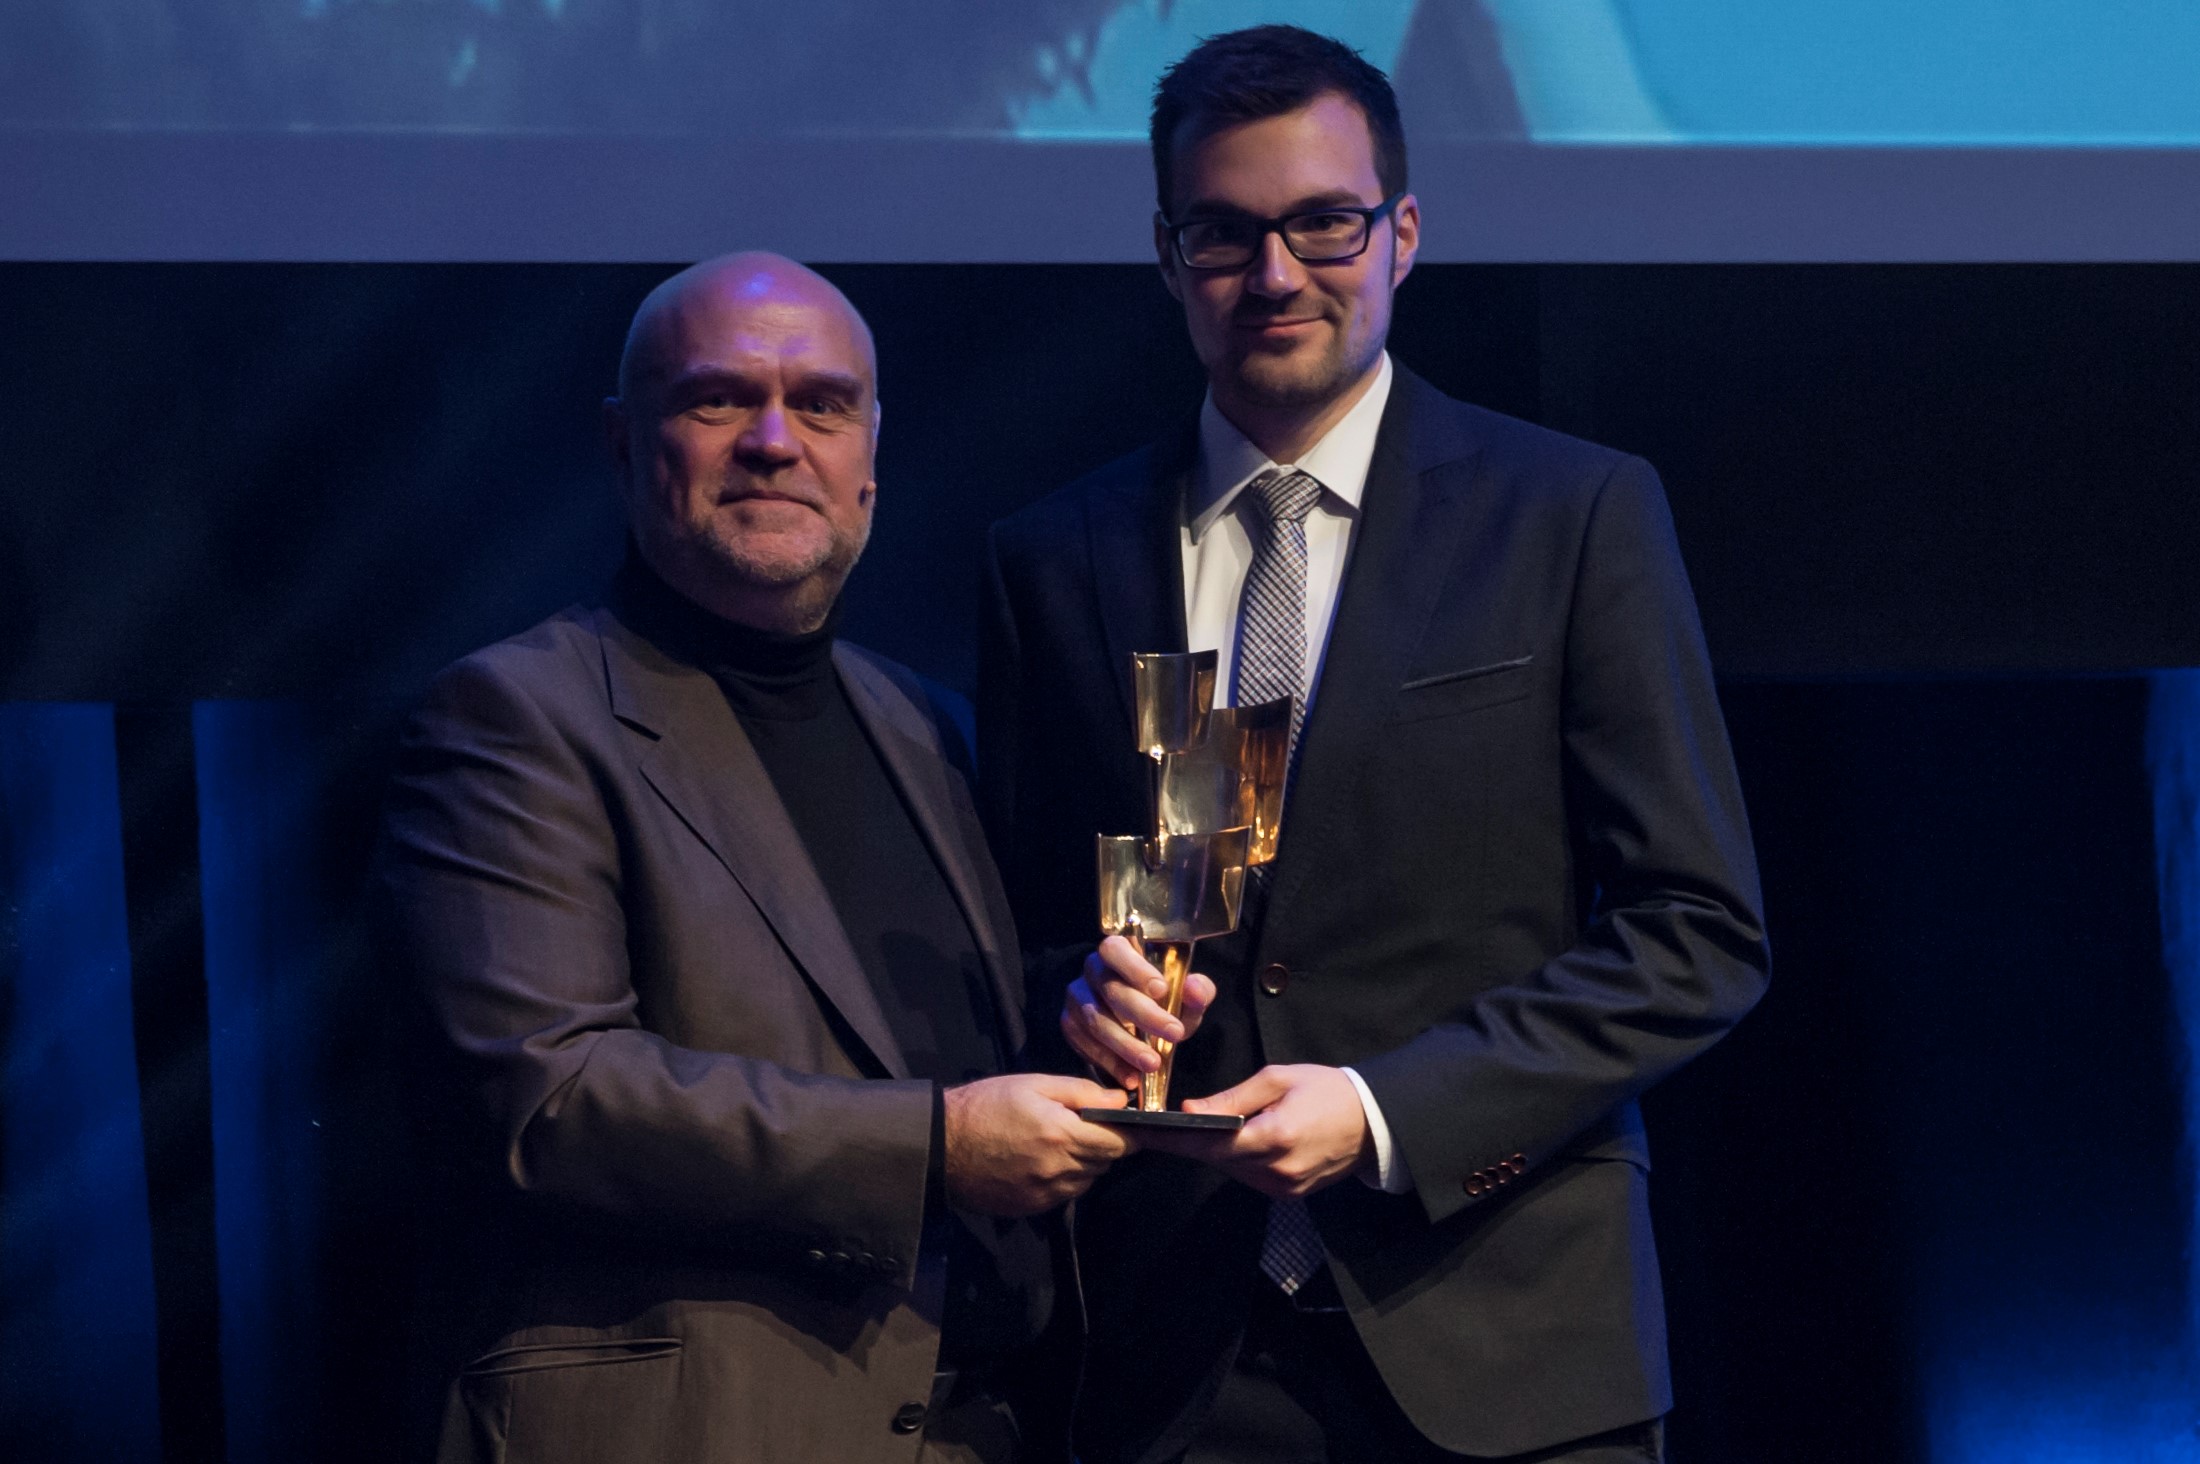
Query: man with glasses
[1515,886]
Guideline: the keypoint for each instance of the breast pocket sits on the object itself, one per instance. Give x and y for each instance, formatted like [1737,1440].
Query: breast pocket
[1448,693]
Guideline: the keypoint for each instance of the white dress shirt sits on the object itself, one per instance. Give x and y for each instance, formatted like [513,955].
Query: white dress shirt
[1218,552]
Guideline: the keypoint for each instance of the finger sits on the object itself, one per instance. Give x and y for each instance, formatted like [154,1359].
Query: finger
[1199,994]
[1141,1011]
[1099,1097]
[1080,1029]
[1097,1145]
[1081,1043]
[1073,1092]
[1120,959]
[1249,1097]
[1128,1048]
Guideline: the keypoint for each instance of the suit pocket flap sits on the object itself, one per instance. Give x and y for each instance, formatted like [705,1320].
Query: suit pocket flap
[1463,691]
[538,1356]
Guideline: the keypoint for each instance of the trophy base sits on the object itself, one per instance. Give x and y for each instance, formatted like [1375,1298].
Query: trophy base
[1168,1118]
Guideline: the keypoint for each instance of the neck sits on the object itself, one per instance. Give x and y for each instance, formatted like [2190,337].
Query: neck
[795,609]
[796,612]
[1287,433]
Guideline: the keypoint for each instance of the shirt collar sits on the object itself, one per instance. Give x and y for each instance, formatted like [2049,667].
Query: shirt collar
[1228,460]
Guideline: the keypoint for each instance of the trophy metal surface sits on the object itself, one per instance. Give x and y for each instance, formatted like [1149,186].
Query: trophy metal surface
[1214,805]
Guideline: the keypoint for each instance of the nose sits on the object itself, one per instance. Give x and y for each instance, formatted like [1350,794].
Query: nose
[768,440]
[1276,271]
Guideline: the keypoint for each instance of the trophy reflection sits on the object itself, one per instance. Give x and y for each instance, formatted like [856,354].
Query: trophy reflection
[1215,780]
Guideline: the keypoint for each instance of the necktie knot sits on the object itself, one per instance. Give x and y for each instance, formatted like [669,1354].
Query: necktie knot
[1287,497]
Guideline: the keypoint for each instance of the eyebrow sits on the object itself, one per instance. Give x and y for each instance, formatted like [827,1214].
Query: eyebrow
[1311,203]
[841,383]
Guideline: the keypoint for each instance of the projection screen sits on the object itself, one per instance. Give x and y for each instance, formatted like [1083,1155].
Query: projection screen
[1541,130]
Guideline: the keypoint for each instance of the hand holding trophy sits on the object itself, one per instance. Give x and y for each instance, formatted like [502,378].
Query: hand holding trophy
[1215,799]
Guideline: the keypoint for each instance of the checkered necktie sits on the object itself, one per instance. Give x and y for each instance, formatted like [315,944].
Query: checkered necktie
[1271,662]
[1271,648]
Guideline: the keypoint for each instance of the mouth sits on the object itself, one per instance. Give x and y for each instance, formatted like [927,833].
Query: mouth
[1280,327]
[756,496]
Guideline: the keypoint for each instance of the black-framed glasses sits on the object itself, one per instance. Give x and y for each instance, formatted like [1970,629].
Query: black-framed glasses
[1316,236]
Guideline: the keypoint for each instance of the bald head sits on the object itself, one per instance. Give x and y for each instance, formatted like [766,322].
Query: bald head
[751,280]
[744,430]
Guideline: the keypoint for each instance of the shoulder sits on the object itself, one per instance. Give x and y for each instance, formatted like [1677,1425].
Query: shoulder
[1040,528]
[929,711]
[1535,458]
[557,662]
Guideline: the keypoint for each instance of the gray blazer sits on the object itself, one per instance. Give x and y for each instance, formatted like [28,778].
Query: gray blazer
[691,1158]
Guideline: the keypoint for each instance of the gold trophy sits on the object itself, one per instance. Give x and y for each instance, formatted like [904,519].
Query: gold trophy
[1214,801]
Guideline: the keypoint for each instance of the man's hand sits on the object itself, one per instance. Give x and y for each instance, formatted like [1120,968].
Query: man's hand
[1305,1129]
[1015,1145]
[1118,986]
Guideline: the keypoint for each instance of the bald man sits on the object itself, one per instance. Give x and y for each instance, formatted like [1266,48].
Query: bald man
[719,994]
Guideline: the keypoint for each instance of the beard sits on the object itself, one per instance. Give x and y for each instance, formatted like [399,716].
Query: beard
[797,569]
[1299,380]
[768,560]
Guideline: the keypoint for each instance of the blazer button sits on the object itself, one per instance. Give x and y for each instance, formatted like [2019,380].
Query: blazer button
[1519,1159]
[1473,1184]
[816,1257]
[909,1418]
[1274,977]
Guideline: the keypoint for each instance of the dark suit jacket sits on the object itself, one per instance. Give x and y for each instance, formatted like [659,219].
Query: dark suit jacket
[696,1161]
[1515,889]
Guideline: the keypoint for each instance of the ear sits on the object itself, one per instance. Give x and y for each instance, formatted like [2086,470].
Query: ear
[1405,232]
[1164,254]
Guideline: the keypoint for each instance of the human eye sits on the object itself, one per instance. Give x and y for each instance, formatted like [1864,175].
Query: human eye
[1326,224]
[1222,233]
[820,404]
[712,402]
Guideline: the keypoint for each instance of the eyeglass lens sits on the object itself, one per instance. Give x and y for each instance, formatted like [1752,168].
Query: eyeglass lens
[1312,237]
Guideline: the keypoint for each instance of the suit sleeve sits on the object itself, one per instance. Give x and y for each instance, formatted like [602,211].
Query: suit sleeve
[500,897]
[1674,952]
[1048,971]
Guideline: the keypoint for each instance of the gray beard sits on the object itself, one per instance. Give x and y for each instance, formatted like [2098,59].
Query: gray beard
[816,580]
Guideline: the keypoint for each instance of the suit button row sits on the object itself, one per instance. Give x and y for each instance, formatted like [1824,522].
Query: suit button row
[909,1418]
[1504,1171]
[857,1260]
[1274,977]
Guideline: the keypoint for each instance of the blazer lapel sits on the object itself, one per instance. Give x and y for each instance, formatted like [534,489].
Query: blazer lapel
[1136,536]
[1411,517]
[909,747]
[695,755]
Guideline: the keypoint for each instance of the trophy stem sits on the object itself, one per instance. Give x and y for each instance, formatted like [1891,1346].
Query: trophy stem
[1173,958]
[1156,770]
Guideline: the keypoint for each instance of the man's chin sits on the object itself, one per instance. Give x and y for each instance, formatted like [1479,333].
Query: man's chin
[767,568]
[1284,384]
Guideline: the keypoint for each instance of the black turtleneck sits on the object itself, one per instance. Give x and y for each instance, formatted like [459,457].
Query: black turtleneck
[907,931]
[909,934]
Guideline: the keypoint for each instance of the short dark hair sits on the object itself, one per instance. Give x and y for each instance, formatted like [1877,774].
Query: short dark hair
[1265,71]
